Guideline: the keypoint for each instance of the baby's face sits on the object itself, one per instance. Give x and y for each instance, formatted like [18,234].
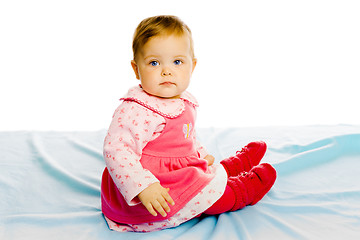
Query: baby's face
[164,65]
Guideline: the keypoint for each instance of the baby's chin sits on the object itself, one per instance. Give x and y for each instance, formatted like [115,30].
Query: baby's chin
[167,95]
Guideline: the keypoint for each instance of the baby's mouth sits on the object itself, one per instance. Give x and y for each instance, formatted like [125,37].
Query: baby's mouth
[167,83]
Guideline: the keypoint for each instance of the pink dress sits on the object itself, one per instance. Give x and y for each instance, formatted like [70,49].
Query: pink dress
[171,158]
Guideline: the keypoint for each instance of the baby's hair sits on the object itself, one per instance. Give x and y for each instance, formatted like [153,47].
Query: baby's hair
[157,26]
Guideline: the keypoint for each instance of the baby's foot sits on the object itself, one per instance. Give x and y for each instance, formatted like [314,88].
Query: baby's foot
[250,187]
[244,160]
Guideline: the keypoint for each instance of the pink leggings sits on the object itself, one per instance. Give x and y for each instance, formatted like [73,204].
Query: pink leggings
[224,204]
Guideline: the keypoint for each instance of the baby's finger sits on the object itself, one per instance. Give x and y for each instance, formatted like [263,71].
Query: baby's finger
[168,198]
[164,204]
[151,210]
[158,207]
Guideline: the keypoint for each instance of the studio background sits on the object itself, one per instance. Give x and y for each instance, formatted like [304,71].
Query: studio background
[64,64]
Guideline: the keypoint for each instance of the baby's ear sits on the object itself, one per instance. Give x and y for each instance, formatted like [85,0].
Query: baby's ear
[135,68]
[194,61]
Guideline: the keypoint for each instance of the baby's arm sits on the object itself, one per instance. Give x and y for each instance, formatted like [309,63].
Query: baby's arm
[131,129]
[123,149]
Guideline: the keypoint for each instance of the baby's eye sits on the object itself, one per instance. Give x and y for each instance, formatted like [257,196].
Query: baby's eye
[154,63]
[178,62]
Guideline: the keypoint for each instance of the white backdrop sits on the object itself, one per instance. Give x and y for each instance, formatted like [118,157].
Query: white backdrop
[64,64]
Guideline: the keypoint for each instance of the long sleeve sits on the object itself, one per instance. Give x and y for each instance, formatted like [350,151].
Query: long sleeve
[132,127]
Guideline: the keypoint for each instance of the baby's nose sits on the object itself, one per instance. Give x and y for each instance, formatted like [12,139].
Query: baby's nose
[166,71]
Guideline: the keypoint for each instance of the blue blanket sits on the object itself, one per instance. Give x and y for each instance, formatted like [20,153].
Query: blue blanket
[50,186]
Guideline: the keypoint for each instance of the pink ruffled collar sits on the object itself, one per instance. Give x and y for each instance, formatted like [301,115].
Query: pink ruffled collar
[169,108]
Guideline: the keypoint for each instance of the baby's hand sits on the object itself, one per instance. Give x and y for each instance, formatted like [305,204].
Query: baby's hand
[155,197]
[210,159]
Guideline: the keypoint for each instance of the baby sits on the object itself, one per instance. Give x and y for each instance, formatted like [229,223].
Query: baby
[157,174]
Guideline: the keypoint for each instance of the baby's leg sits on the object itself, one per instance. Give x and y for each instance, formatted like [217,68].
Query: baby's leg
[224,204]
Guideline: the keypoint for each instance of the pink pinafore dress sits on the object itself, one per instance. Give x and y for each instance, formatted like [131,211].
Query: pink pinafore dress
[173,160]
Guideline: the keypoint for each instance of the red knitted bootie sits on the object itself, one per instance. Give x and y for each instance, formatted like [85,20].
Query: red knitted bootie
[244,160]
[250,187]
